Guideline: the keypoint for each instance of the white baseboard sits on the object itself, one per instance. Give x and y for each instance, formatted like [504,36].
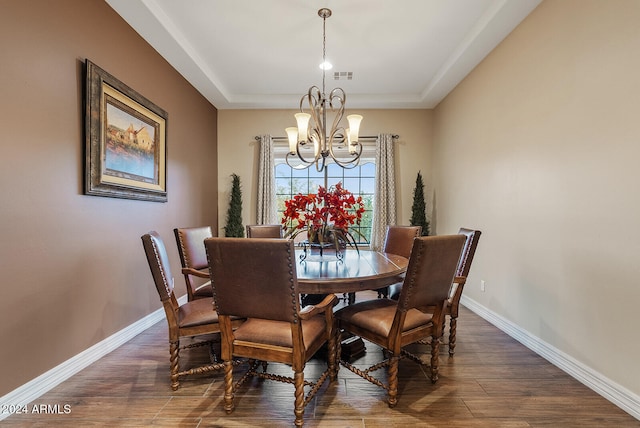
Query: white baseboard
[33,389]
[617,394]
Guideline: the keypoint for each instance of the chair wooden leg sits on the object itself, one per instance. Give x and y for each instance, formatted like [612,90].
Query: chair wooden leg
[338,351]
[393,381]
[333,344]
[435,349]
[174,363]
[228,386]
[452,335]
[298,378]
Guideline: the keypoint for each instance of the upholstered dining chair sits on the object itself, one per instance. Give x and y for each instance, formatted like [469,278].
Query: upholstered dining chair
[264,231]
[264,290]
[455,293]
[190,241]
[191,319]
[418,313]
[398,240]
[462,271]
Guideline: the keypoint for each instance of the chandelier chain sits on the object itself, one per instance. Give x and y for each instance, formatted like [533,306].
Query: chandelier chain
[324,51]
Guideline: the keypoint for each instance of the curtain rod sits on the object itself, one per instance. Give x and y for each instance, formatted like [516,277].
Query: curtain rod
[366,137]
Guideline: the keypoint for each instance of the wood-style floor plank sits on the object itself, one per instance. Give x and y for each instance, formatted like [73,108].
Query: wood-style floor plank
[493,381]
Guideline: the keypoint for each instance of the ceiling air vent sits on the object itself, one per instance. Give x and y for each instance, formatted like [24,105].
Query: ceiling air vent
[343,75]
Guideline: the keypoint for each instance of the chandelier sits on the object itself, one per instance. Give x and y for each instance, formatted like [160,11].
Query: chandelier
[312,132]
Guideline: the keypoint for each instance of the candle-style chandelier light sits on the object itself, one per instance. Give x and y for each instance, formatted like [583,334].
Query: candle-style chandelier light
[337,142]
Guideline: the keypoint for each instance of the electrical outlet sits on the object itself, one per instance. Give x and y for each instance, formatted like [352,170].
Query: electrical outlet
[482,285]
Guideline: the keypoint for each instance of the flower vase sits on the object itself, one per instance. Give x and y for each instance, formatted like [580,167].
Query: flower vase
[321,252]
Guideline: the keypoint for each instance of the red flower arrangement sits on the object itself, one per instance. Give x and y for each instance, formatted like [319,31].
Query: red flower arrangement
[325,216]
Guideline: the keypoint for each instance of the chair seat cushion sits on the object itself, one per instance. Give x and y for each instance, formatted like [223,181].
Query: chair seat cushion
[197,312]
[278,333]
[377,316]
[205,290]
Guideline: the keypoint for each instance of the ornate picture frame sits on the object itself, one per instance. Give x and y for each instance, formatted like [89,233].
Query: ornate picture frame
[126,140]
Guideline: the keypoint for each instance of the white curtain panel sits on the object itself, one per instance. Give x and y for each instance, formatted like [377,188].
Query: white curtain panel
[384,207]
[266,211]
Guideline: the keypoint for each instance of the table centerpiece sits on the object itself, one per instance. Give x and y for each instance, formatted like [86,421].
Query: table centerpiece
[326,217]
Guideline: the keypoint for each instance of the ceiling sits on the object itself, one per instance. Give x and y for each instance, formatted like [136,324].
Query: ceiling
[243,54]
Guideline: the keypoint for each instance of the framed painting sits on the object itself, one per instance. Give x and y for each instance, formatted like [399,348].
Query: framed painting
[126,141]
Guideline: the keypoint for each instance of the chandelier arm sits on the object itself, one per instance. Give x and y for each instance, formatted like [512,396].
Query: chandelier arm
[340,133]
[351,163]
[306,164]
[301,157]
[320,167]
[314,96]
[314,100]
[316,103]
[339,95]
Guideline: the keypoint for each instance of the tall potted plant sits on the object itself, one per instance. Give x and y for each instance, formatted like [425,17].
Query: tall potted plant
[234,227]
[419,207]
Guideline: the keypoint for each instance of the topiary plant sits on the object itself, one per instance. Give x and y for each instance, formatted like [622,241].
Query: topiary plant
[418,209]
[234,227]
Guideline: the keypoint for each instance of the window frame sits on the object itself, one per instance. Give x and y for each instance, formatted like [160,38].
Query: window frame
[331,175]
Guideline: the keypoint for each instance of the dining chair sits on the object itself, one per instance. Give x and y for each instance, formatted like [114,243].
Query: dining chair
[455,293]
[264,290]
[191,319]
[418,313]
[276,231]
[398,240]
[190,241]
[264,231]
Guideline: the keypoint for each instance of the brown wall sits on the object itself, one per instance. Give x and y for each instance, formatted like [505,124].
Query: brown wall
[72,269]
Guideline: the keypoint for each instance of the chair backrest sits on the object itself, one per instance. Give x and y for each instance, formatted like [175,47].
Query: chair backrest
[264,231]
[159,263]
[190,242]
[254,277]
[399,239]
[431,270]
[468,251]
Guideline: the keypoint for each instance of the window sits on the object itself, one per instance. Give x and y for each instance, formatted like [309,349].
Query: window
[360,181]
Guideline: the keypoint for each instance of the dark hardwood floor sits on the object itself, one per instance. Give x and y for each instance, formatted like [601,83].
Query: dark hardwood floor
[493,381]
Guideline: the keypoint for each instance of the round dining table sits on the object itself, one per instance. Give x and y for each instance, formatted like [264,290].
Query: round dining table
[355,271]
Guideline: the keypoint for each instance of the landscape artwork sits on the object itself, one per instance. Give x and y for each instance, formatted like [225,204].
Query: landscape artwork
[126,141]
[130,147]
